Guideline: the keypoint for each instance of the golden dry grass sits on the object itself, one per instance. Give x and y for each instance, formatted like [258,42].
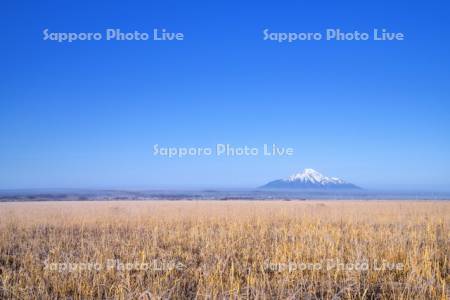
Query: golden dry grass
[233,249]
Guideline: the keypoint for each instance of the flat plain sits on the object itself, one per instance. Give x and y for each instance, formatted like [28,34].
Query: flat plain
[225,249]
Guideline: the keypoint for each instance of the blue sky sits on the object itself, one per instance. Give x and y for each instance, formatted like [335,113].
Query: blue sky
[87,114]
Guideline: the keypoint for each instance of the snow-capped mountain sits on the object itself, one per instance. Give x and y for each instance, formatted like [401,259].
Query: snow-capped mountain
[310,179]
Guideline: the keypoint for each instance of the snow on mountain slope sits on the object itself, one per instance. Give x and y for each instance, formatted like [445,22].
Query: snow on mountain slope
[310,179]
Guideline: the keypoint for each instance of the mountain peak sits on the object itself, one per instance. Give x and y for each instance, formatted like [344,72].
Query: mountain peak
[310,179]
[309,174]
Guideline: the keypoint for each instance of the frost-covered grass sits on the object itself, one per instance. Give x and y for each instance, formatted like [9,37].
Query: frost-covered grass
[225,249]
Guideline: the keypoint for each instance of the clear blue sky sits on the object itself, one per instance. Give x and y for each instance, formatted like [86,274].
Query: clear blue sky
[87,114]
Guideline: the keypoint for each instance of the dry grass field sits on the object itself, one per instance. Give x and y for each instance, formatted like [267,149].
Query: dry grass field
[225,249]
